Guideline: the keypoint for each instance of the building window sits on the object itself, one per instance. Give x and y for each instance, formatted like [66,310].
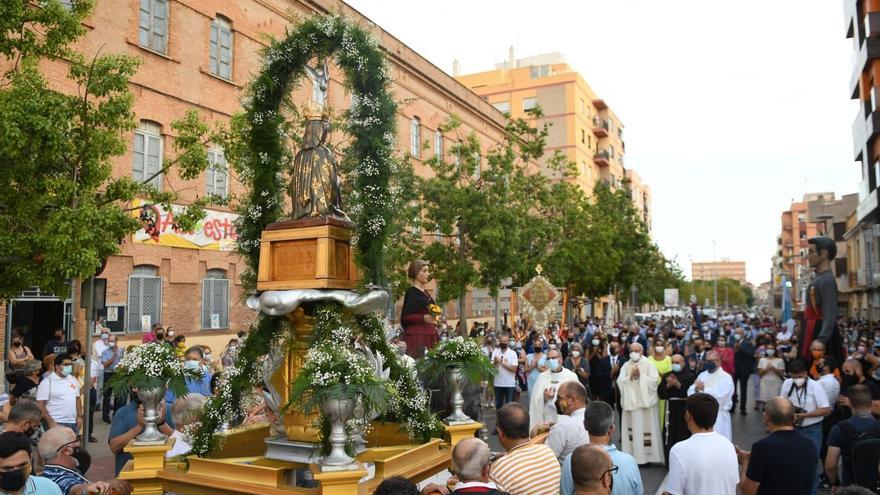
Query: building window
[583,136]
[415,131]
[153,25]
[502,106]
[611,151]
[147,165]
[217,175]
[477,163]
[438,145]
[537,71]
[529,103]
[221,48]
[144,298]
[215,300]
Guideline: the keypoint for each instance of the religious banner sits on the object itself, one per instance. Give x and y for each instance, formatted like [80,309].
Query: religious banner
[539,299]
[215,232]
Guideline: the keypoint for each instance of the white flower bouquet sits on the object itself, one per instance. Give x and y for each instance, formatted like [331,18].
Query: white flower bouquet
[150,366]
[457,352]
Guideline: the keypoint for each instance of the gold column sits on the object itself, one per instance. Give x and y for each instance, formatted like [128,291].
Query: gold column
[297,425]
[142,471]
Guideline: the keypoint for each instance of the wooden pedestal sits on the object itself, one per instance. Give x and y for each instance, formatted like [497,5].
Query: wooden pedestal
[456,433]
[142,471]
[311,253]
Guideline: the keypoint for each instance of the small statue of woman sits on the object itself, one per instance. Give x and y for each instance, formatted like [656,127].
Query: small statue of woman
[314,190]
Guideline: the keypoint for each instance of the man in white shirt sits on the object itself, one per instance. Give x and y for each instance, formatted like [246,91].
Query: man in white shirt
[810,402]
[568,433]
[717,383]
[58,396]
[706,462]
[505,361]
[826,366]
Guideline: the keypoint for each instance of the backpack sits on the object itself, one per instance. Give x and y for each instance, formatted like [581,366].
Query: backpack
[864,455]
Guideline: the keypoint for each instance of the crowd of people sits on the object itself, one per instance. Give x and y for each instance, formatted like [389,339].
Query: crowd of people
[43,419]
[672,384]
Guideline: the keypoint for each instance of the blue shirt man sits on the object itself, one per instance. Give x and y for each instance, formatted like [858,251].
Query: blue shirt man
[114,355]
[599,423]
[125,426]
[193,361]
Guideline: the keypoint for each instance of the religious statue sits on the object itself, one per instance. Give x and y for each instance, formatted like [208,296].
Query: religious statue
[820,314]
[314,190]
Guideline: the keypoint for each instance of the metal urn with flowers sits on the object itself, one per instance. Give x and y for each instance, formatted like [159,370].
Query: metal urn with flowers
[462,361]
[149,370]
[343,388]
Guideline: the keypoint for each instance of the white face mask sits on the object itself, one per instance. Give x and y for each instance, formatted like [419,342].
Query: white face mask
[595,341]
[635,356]
[771,352]
[799,382]
[659,349]
[575,354]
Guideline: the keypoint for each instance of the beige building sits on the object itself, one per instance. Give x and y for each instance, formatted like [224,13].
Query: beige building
[717,270]
[583,127]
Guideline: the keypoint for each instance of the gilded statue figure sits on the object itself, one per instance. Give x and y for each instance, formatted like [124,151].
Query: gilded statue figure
[314,190]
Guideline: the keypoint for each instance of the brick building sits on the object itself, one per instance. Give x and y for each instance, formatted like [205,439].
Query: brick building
[201,54]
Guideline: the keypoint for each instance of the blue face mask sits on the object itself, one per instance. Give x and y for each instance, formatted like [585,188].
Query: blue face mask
[711,366]
[192,365]
[676,367]
[553,364]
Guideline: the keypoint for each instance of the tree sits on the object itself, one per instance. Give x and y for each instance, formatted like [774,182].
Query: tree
[61,211]
[478,211]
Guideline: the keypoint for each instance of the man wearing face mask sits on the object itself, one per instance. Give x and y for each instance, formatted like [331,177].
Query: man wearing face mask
[193,359]
[15,468]
[542,402]
[60,450]
[109,360]
[568,433]
[853,374]
[640,421]
[717,383]
[811,403]
[673,388]
[58,396]
[506,362]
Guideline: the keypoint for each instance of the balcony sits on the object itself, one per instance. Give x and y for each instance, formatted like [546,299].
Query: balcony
[864,130]
[850,8]
[600,104]
[602,158]
[870,50]
[601,127]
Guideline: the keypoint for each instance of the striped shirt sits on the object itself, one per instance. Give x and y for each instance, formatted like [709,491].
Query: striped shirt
[66,479]
[527,469]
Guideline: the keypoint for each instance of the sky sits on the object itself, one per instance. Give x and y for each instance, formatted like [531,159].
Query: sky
[732,110]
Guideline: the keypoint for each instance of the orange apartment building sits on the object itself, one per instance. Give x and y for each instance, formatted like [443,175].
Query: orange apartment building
[792,246]
[582,126]
[201,54]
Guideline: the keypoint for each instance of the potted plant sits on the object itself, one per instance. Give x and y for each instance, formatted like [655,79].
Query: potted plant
[150,369]
[461,360]
[333,380]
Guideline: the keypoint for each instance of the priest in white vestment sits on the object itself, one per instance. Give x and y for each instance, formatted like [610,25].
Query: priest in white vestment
[542,400]
[717,383]
[640,434]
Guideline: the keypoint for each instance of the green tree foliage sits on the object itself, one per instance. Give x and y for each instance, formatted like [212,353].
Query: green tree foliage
[736,293]
[61,211]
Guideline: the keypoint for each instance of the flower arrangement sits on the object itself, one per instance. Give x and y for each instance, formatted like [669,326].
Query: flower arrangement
[434,310]
[150,366]
[457,352]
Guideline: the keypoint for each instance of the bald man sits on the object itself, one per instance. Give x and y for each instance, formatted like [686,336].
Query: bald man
[640,421]
[568,433]
[717,383]
[591,470]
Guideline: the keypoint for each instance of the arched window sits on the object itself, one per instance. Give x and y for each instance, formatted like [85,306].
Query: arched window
[221,48]
[215,300]
[153,25]
[144,298]
[147,153]
[415,137]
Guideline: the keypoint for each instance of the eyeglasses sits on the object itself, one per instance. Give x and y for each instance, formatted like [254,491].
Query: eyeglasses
[613,471]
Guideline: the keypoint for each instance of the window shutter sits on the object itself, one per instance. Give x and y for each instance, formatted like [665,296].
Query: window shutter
[214,48]
[225,52]
[154,161]
[144,22]
[138,165]
[134,304]
[160,25]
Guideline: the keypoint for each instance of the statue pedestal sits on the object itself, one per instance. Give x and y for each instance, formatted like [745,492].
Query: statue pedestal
[142,471]
[310,253]
[340,482]
[454,433]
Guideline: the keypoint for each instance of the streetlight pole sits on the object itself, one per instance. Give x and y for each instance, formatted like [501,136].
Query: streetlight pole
[714,276]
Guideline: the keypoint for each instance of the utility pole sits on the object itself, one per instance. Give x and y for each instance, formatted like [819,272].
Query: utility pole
[714,275]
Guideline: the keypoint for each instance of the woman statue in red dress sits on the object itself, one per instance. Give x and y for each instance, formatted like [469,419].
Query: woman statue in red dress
[419,331]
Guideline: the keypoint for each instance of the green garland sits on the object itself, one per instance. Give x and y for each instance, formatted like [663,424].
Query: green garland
[260,160]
